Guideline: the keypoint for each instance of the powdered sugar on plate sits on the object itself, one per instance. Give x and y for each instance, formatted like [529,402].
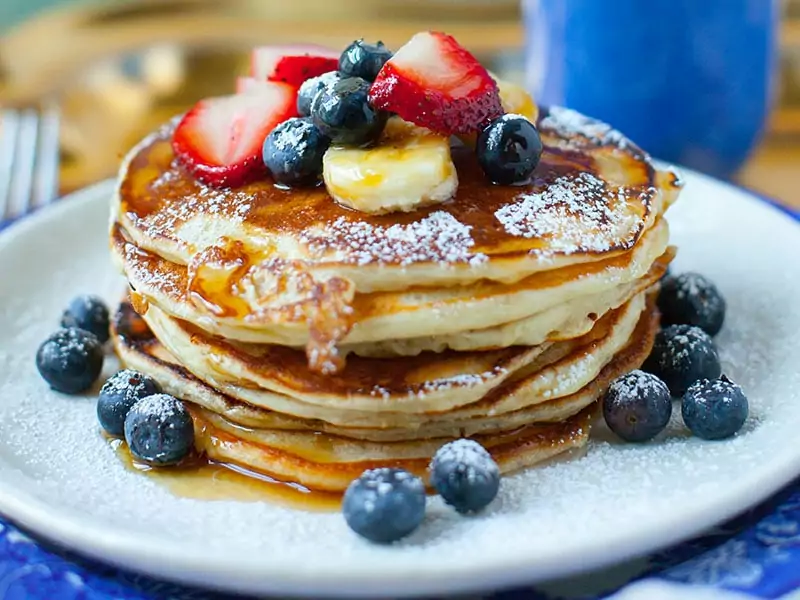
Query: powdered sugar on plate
[61,478]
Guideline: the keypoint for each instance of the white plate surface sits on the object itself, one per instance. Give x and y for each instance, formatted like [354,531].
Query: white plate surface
[60,479]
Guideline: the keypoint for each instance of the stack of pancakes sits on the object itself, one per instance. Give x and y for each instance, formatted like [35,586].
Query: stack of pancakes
[312,341]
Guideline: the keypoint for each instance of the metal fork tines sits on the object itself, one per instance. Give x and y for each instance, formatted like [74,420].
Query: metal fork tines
[29,143]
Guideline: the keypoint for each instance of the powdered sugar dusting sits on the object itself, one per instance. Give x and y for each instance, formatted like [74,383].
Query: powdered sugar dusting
[231,205]
[567,124]
[161,406]
[637,384]
[616,500]
[375,485]
[576,213]
[472,458]
[439,237]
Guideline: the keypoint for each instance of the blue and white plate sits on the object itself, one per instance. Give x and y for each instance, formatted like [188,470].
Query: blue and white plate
[61,480]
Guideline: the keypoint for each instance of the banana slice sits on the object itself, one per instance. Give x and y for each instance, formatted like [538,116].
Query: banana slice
[515,99]
[410,167]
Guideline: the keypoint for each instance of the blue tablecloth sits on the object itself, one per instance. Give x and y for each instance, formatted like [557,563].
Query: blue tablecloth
[757,553]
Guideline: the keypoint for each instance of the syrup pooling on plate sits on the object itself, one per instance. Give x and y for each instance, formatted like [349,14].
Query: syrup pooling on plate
[201,479]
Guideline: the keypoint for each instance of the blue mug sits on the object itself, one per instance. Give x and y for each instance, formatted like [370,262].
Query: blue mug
[690,81]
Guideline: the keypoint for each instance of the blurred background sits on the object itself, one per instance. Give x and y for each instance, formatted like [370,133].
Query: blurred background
[91,78]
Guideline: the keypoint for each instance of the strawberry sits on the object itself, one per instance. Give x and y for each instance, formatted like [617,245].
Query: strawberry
[292,64]
[434,82]
[250,85]
[219,140]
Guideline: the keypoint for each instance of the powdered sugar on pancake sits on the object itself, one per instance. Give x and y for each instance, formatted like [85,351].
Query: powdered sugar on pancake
[567,124]
[439,237]
[576,213]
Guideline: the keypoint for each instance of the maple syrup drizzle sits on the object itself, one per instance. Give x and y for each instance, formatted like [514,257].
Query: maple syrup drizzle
[199,478]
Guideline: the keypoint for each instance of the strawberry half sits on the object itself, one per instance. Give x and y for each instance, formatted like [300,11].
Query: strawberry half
[434,82]
[292,64]
[251,85]
[219,140]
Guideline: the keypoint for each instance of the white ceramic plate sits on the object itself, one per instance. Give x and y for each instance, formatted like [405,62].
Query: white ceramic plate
[60,479]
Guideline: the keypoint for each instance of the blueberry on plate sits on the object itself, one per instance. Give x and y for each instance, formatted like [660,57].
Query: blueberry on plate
[310,88]
[714,409]
[88,313]
[509,149]
[637,406]
[293,152]
[364,60]
[343,113]
[681,355]
[159,430]
[118,395]
[385,504]
[70,360]
[465,475]
[691,299]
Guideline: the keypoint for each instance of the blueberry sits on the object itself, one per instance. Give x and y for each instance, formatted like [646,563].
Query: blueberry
[465,475]
[159,430]
[364,60]
[714,409]
[118,394]
[691,299]
[70,360]
[681,355]
[384,505]
[293,152]
[509,149]
[310,88]
[343,113]
[637,406]
[88,313]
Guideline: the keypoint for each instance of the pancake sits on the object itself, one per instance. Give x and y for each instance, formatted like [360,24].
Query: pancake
[145,353]
[594,195]
[278,378]
[515,450]
[378,317]
[312,342]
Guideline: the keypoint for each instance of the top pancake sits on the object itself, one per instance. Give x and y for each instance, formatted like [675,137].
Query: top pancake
[593,195]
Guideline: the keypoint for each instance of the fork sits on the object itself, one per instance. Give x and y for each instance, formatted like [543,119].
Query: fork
[29,143]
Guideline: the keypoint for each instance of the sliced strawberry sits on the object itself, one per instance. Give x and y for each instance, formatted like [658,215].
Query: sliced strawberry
[292,64]
[219,140]
[434,82]
[250,85]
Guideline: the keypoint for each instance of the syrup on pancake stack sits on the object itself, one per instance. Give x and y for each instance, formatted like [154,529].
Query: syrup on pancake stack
[319,330]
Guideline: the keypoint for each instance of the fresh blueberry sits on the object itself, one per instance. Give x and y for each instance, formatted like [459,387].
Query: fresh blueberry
[310,88]
[88,313]
[364,60]
[508,149]
[465,475]
[159,430]
[637,406]
[681,355]
[293,152]
[118,394]
[70,360]
[691,299]
[714,409]
[343,113]
[384,505]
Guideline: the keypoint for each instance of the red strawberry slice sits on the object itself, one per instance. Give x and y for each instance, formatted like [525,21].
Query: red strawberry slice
[434,82]
[219,140]
[292,64]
